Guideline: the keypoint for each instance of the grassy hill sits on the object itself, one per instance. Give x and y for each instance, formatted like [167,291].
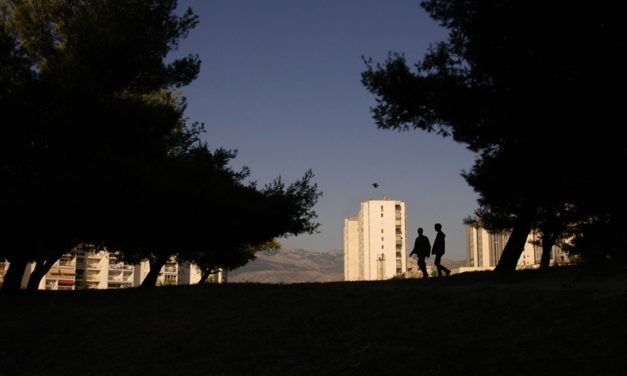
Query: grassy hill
[568,321]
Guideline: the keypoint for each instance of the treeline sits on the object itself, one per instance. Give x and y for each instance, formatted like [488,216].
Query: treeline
[533,88]
[95,148]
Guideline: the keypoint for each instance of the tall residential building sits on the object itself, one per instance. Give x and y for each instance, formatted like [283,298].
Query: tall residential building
[483,250]
[120,274]
[62,274]
[375,244]
[100,269]
[92,269]
[168,275]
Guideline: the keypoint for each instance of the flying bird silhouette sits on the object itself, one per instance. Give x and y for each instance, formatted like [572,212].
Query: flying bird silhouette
[376,185]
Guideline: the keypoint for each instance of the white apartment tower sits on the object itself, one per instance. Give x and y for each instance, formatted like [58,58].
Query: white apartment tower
[375,244]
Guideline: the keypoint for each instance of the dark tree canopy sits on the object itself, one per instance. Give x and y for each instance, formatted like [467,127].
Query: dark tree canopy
[94,145]
[91,98]
[531,87]
[196,208]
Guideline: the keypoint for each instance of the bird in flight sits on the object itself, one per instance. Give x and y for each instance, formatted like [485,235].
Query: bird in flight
[376,185]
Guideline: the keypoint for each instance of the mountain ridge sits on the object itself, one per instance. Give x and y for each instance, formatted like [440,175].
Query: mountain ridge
[299,265]
[292,266]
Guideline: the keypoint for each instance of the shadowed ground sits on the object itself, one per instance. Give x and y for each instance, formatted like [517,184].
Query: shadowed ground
[570,320]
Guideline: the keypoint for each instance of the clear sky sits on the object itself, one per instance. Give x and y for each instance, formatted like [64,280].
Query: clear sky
[280,82]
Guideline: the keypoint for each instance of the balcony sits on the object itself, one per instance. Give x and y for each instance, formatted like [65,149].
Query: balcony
[120,267]
[120,278]
[120,286]
[115,266]
[93,266]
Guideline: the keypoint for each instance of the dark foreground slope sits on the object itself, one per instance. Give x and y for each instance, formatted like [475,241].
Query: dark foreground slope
[567,321]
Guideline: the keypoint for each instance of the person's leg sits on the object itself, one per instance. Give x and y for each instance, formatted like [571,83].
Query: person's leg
[423,267]
[441,268]
[446,270]
[437,264]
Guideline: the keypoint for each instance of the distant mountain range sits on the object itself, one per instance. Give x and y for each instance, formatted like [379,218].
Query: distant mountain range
[292,266]
[299,265]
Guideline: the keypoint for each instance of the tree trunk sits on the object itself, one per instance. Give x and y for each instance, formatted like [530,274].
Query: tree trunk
[515,245]
[41,269]
[204,275]
[13,276]
[547,247]
[153,273]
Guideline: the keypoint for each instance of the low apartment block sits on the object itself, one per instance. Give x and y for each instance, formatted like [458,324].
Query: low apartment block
[483,250]
[87,269]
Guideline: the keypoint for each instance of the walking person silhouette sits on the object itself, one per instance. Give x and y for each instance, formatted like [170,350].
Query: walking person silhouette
[438,250]
[422,248]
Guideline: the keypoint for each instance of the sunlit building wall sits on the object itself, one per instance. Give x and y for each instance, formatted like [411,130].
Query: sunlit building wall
[351,249]
[92,269]
[381,237]
[168,275]
[62,274]
[89,269]
[120,275]
[188,274]
[4,266]
[483,250]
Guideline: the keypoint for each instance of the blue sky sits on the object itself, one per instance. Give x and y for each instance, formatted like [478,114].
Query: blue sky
[280,82]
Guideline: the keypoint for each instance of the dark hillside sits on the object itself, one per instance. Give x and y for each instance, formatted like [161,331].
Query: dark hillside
[568,321]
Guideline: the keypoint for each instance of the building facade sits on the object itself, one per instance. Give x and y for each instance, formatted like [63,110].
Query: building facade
[4,265]
[89,269]
[375,244]
[483,250]
[351,249]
